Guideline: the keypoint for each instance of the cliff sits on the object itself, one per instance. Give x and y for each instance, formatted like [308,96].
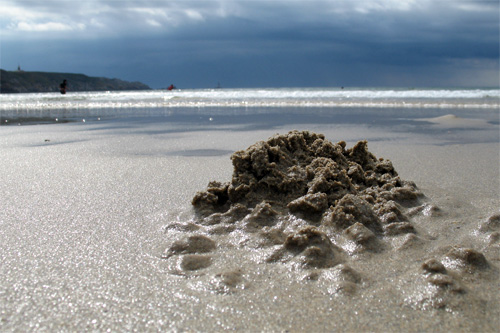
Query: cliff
[25,82]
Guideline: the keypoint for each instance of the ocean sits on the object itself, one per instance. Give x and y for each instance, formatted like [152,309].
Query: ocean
[254,108]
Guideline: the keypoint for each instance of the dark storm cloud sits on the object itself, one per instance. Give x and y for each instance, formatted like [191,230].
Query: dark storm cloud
[258,43]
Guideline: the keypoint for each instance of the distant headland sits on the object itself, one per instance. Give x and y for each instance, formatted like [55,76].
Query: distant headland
[26,82]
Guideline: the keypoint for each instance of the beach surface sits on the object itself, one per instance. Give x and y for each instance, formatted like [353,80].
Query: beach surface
[97,230]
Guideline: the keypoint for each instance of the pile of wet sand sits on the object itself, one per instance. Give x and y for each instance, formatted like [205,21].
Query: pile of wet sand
[317,207]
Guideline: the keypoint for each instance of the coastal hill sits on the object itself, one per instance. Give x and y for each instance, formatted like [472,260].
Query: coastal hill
[27,82]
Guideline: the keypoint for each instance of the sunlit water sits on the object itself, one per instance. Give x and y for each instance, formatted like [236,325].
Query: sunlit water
[75,106]
[285,97]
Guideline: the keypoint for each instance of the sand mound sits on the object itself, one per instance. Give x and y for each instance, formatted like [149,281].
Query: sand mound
[316,207]
[304,175]
[310,200]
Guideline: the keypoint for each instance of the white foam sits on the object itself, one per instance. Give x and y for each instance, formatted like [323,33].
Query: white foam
[289,97]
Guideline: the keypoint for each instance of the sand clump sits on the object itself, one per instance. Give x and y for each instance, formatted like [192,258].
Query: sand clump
[301,180]
[304,173]
[447,283]
[309,248]
[302,201]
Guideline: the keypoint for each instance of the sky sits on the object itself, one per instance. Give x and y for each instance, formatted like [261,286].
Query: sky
[258,43]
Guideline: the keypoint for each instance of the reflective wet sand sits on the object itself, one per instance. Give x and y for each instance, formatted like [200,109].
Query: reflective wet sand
[98,232]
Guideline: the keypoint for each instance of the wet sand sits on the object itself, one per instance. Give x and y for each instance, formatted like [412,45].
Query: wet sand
[90,211]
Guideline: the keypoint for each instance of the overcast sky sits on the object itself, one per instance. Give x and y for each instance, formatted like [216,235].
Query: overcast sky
[258,43]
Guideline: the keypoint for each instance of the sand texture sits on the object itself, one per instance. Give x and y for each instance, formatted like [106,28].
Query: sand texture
[111,226]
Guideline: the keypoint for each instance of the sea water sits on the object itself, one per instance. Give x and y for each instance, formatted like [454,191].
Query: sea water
[275,97]
[359,104]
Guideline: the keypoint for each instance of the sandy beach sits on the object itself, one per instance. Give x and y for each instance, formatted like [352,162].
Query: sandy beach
[250,166]
[90,210]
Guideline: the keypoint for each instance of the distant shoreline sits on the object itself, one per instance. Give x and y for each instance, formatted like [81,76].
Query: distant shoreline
[12,82]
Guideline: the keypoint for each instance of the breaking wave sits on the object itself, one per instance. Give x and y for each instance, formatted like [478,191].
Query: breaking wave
[278,97]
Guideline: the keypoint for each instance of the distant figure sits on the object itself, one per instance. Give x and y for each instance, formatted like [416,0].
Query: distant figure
[62,87]
[171,87]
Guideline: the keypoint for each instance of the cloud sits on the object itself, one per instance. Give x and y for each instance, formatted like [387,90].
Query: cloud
[49,26]
[21,17]
[245,42]
[132,17]
[125,17]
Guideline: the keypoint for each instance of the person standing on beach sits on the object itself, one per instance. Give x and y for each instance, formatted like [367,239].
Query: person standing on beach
[62,87]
